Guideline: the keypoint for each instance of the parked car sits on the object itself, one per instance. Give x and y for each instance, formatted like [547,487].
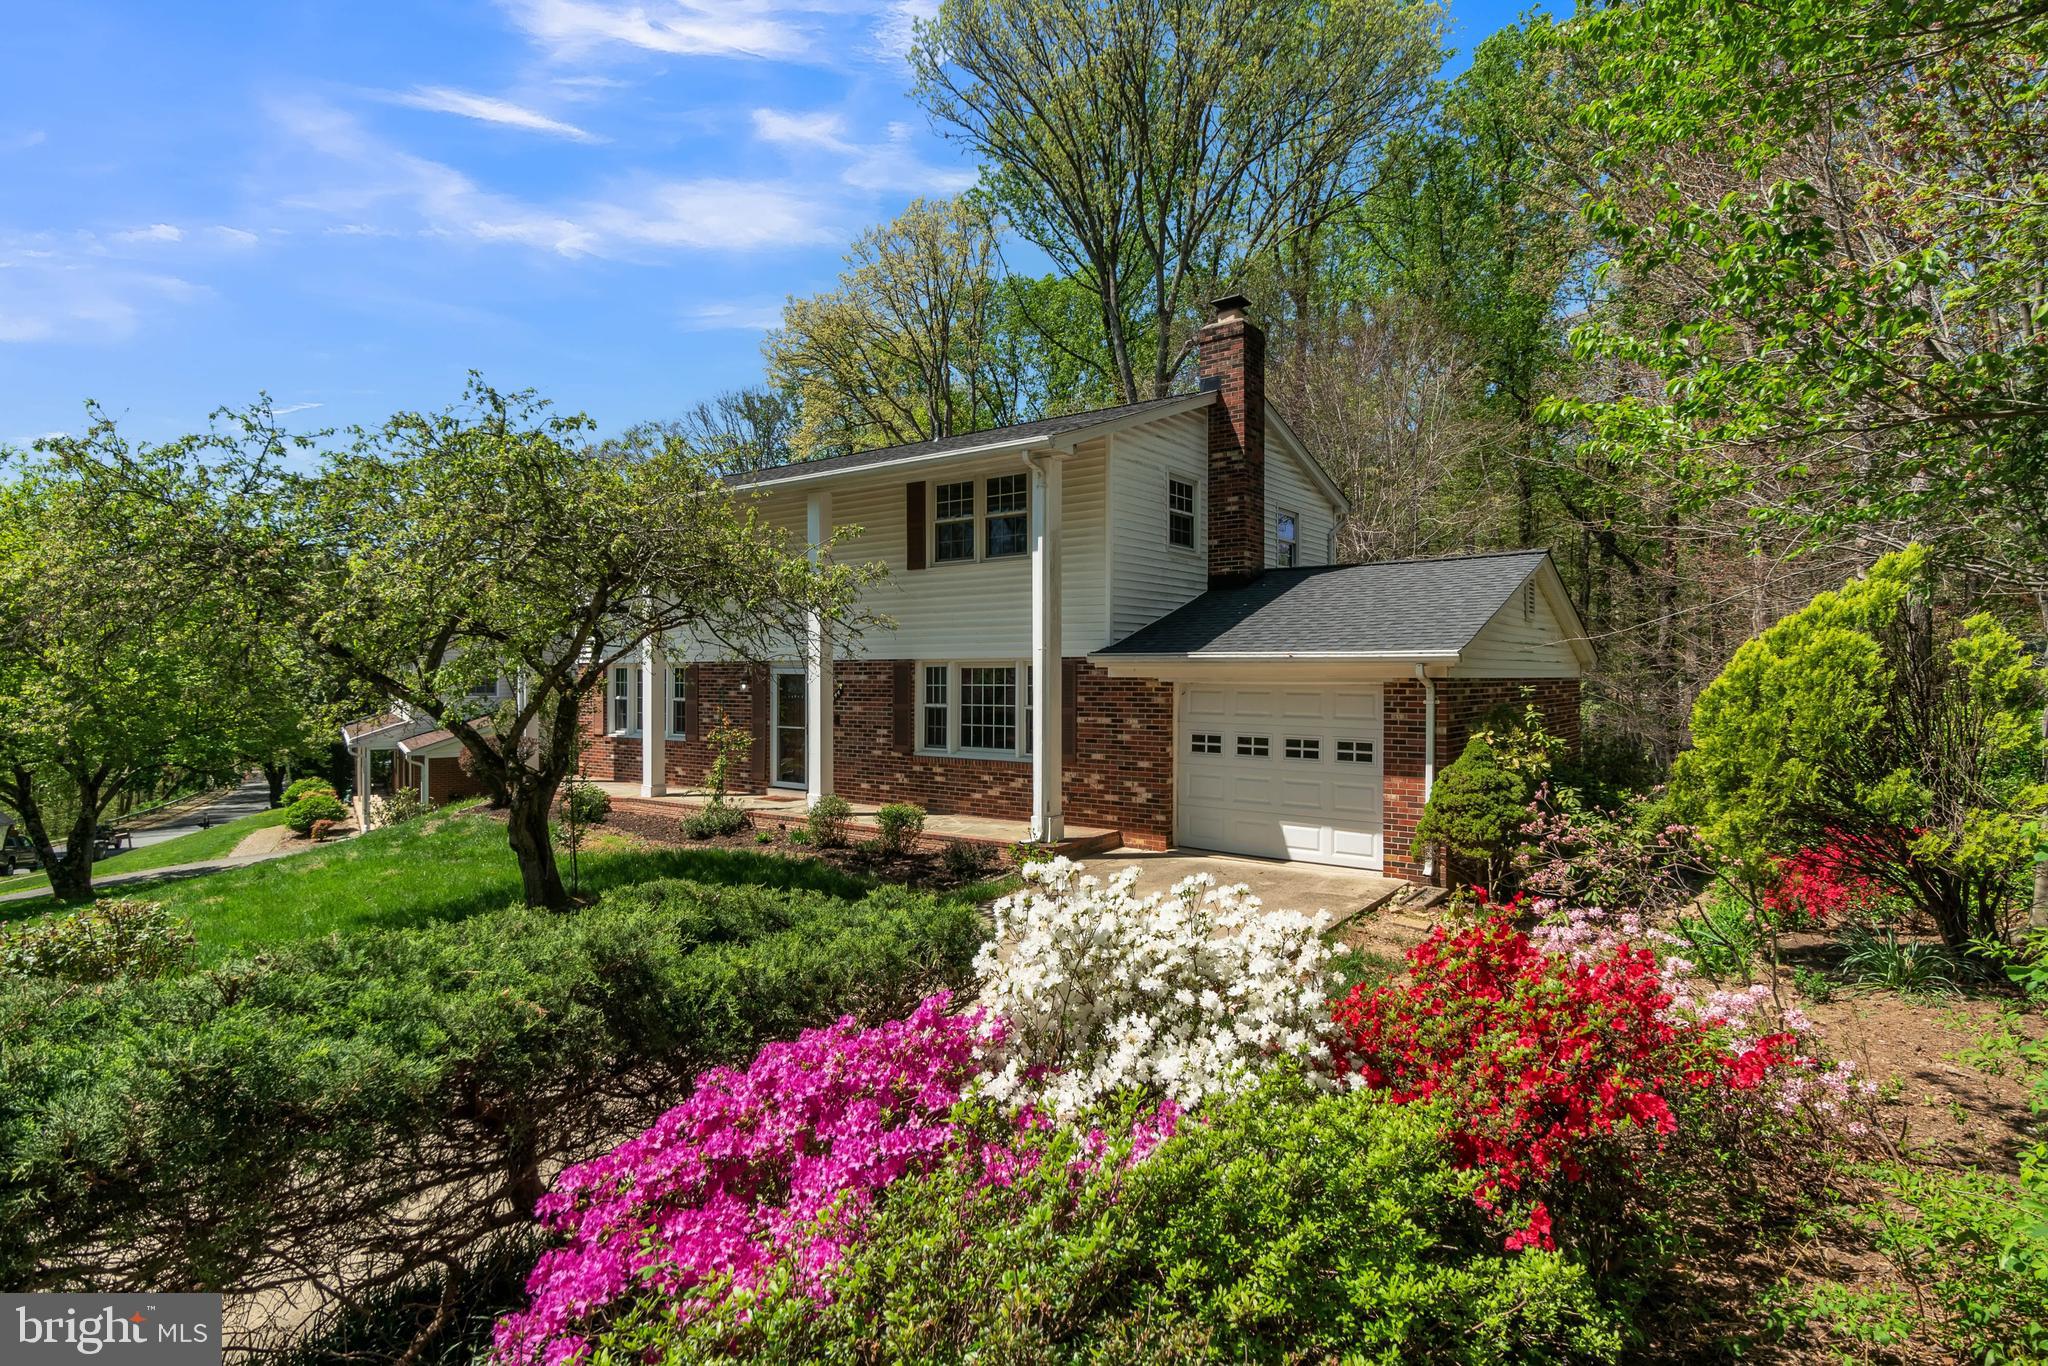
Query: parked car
[17,851]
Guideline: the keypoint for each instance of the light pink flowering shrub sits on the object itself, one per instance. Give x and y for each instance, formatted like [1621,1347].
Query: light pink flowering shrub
[742,1173]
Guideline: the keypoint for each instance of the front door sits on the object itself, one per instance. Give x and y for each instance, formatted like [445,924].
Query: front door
[788,756]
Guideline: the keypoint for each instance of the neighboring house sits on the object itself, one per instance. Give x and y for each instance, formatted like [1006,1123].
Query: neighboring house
[1158,578]
[396,749]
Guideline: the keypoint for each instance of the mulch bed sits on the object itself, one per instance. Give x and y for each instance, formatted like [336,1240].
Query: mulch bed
[920,867]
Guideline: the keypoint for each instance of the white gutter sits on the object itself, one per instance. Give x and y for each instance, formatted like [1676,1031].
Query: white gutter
[1203,656]
[900,462]
[1428,755]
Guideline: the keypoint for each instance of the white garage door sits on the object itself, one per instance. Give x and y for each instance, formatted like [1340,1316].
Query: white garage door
[1288,773]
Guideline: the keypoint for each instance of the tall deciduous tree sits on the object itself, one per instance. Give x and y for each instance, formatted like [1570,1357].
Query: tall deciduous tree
[905,348]
[1154,147]
[447,551]
[108,676]
[1839,205]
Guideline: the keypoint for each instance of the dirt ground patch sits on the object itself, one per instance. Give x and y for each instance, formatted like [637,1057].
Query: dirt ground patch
[921,867]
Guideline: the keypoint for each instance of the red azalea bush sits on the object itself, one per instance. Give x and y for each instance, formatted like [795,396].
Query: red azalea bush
[1824,885]
[1554,1065]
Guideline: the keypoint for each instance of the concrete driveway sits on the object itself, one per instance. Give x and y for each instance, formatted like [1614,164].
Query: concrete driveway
[1343,892]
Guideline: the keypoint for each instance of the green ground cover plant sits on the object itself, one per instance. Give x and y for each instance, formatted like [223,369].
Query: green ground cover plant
[235,1126]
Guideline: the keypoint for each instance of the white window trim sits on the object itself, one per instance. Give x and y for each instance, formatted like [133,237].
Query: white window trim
[633,702]
[954,749]
[1174,476]
[1278,517]
[677,673]
[989,515]
[973,521]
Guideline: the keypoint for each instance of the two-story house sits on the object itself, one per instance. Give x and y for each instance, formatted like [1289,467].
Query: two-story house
[1127,619]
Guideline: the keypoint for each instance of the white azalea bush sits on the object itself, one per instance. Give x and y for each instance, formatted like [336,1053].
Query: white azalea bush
[1184,995]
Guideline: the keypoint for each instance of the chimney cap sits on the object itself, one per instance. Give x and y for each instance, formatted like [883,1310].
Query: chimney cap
[1230,307]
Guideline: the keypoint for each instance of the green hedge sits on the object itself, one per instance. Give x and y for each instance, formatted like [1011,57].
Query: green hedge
[207,1130]
[1288,1226]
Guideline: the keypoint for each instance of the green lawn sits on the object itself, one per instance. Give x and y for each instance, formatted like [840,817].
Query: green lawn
[196,847]
[446,867]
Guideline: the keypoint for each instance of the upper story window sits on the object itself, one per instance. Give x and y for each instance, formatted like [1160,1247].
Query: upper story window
[1287,532]
[1180,513]
[625,700]
[1008,518]
[953,522]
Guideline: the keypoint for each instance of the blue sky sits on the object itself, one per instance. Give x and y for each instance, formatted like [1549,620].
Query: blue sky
[350,203]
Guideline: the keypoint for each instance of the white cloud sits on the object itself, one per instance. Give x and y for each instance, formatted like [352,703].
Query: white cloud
[21,142]
[379,183]
[732,317]
[488,109]
[690,28]
[155,232]
[898,28]
[234,237]
[70,290]
[891,165]
[291,408]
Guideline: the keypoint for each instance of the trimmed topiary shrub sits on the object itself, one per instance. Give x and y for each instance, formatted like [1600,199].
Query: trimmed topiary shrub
[827,822]
[714,821]
[1476,811]
[317,806]
[899,826]
[586,804]
[306,787]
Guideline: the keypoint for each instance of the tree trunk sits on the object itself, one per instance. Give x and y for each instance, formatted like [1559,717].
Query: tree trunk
[539,877]
[274,775]
[71,874]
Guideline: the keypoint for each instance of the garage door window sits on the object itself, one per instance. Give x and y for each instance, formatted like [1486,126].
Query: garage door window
[1354,751]
[1202,742]
[1253,747]
[1304,749]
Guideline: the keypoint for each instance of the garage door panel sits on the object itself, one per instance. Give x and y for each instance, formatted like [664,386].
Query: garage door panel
[1314,810]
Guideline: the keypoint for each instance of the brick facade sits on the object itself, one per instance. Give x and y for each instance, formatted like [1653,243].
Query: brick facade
[1461,703]
[1119,775]
[448,780]
[1231,353]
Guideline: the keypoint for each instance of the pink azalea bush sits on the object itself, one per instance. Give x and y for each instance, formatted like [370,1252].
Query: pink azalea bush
[778,1160]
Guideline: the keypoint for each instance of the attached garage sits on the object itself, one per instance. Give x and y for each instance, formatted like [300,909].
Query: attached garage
[1281,772]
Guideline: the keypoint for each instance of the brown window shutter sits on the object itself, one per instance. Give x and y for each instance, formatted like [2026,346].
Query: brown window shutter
[758,757]
[913,521]
[1070,684]
[693,711]
[905,680]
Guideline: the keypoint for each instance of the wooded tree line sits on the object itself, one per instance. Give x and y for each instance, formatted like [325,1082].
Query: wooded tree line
[1718,301]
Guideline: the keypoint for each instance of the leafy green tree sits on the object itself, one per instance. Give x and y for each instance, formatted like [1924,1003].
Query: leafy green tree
[903,350]
[1153,149]
[1859,724]
[741,430]
[444,552]
[108,677]
[1476,808]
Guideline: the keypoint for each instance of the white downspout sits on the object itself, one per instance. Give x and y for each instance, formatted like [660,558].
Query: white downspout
[1428,754]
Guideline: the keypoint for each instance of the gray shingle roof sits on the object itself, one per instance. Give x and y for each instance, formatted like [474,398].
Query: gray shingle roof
[994,436]
[1400,608]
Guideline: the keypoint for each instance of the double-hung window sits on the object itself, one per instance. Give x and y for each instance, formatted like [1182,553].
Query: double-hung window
[988,708]
[678,702]
[1009,518]
[625,699]
[953,522]
[1287,534]
[937,712]
[1180,513]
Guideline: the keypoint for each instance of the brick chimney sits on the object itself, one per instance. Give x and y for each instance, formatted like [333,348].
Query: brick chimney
[1232,359]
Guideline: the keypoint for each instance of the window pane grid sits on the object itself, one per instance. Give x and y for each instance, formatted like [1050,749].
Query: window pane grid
[1180,513]
[1354,751]
[935,706]
[1204,742]
[678,701]
[622,699]
[1253,746]
[1008,520]
[1287,529]
[953,529]
[1304,749]
[988,709]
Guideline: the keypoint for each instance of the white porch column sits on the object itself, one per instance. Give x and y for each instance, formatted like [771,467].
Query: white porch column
[653,719]
[362,787]
[817,666]
[1047,823]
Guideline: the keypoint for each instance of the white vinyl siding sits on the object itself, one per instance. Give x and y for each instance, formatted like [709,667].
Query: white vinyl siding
[1290,490]
[1526,638]
[1152,576]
